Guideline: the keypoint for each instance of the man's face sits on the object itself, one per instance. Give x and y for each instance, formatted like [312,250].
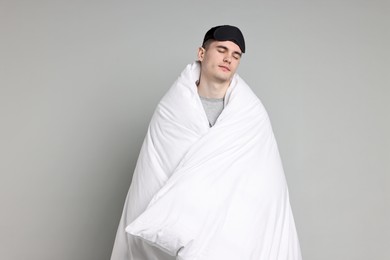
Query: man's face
[219,60]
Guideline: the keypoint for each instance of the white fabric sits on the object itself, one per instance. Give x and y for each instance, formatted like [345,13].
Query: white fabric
[201,193]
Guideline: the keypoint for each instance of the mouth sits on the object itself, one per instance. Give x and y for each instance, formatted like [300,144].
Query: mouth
[224,68]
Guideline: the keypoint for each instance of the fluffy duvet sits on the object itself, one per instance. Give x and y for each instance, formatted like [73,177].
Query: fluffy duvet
[201,193]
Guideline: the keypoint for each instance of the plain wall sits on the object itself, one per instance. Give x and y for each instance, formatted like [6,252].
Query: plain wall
[79,81]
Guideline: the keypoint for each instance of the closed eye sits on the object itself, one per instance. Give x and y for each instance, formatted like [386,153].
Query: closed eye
[221,49]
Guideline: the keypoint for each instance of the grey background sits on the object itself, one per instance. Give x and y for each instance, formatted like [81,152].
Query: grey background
[79,81]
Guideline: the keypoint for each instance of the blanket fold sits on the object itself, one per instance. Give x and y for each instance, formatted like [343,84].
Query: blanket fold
[201,193]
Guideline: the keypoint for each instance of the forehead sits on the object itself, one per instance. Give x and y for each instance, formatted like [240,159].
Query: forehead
[227,44]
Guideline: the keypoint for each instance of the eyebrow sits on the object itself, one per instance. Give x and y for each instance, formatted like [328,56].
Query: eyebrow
[226,48]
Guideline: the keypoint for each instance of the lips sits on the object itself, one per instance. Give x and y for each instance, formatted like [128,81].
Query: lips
[224,68]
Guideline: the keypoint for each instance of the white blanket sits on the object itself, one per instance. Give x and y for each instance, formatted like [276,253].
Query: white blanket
[208,193]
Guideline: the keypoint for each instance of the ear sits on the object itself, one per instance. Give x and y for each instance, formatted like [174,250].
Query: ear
[201,52]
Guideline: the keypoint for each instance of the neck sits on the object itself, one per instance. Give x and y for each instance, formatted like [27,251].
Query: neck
[212,89]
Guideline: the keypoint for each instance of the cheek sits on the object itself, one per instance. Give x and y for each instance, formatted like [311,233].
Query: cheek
[235,64]
[215,57]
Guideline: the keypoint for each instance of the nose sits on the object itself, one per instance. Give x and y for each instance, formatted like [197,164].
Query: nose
[227,59]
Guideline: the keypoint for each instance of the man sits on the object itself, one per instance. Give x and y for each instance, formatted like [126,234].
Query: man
[219,62]
[209,183]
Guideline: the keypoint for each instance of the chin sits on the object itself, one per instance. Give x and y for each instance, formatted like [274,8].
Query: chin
[225,78]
